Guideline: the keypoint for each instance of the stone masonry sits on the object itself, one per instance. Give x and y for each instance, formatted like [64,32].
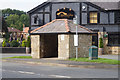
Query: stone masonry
[66,48]
[35,46]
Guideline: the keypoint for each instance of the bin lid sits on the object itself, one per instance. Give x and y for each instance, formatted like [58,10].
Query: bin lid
[93,47]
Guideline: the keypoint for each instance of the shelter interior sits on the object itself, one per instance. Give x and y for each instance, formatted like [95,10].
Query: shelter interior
[49,45]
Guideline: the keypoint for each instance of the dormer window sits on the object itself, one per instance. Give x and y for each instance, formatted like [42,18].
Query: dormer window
[35,19]
[93,17]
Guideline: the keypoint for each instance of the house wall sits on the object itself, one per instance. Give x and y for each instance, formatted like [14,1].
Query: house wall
[74,6]
[110,49]
[109,28]
[47,13]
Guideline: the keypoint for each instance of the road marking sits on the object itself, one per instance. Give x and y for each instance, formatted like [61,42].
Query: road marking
[26,72]
[60,76]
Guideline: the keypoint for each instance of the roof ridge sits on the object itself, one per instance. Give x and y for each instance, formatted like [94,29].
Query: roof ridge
[86,28]
[66,25]
[43,26]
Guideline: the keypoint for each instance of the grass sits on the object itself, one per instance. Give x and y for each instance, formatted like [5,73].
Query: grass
[99,60]
[21,57]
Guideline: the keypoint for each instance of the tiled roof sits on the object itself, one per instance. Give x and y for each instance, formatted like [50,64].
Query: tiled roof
[11,29]
[25,29]
[61,26]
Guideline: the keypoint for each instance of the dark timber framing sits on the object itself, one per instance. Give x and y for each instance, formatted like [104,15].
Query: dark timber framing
[42,6]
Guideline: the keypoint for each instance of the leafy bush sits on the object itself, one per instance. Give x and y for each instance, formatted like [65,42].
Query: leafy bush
[23,43]
[28,42]
[100,43]
[7,36]
[14,43]
[4,44]
[7,44]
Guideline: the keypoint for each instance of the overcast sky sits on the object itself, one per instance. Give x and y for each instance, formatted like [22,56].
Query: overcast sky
[24,5]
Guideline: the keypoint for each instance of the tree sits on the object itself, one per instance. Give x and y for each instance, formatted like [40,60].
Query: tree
[4,25]
[24,19]
[9,11]
[100,42]
[28,42]
[17,21]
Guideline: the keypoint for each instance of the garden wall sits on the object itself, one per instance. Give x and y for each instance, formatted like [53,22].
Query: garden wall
[13,49]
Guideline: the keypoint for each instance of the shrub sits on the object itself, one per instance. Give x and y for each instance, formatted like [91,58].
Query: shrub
[100,43]
[14,43]
[23,43]
[7,44]
[4,44]
[28,42]
[7,36]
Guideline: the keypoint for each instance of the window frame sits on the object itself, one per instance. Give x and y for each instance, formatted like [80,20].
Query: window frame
[116,17]
[113,38]
[98,17]
[35,20]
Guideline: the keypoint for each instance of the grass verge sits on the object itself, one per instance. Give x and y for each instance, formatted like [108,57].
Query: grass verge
[99,60]
[21,57]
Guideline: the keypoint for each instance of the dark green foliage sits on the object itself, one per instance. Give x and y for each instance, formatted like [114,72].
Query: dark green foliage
[16,18]
[23,43]
[7,36]
[28,42]
[4,44]
[4,25]
[100,43]
[12,11]
[17,21]
[14,43]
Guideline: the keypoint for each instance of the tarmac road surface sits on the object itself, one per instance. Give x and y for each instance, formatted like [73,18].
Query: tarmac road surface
[21,70]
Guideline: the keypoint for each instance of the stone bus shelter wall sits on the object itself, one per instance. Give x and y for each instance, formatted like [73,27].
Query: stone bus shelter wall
[85,41]
[35,46]
[66,48]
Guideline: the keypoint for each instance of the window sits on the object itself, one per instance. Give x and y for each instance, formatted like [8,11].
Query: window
[114,39]
[93,17]
[117,17]
[35,20]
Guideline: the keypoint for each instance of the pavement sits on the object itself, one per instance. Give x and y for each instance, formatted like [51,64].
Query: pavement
[58,62]
[115,57]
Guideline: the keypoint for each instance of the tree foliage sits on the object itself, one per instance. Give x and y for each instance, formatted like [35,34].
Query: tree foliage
[14,43]
[4,25]
[9,11]
[100,42]
[28,42]
[17,21]
[16,18]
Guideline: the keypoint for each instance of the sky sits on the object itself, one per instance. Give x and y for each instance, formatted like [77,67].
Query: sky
[24,5]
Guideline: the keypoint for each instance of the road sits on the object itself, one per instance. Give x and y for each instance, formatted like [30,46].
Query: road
[21,70]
